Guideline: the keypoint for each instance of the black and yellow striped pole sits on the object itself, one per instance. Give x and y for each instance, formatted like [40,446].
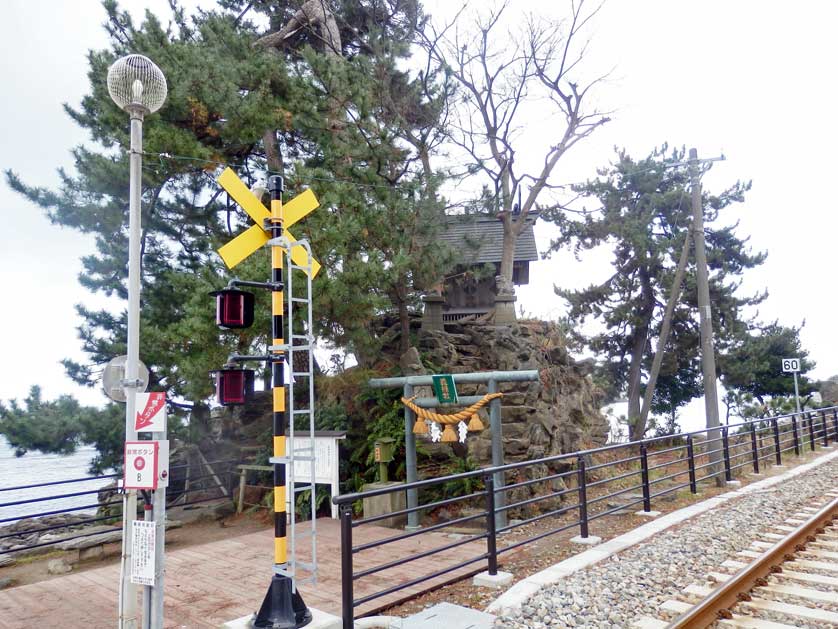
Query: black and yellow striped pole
[283,607]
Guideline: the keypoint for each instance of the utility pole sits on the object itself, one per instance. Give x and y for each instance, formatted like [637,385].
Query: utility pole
[708,359]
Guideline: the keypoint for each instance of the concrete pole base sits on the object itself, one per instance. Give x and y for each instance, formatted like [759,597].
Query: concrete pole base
[591,540]
[319,620]
[496,581]
[648,514]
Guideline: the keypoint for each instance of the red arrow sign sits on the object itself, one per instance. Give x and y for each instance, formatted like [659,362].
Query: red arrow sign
[155,402]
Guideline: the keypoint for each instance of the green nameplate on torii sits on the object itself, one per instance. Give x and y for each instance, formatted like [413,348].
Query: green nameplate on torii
[445,389]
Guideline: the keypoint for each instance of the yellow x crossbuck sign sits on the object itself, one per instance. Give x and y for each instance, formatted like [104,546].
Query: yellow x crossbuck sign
[255,236]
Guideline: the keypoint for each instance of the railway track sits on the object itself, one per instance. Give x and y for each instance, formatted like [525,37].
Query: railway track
[788,578]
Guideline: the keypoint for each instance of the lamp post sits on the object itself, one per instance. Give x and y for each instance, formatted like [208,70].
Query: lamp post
[138,87]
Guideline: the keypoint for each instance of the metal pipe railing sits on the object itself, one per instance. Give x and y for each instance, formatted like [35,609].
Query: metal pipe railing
[741,445]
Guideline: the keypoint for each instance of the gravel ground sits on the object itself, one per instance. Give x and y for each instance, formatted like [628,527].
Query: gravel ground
[618,590]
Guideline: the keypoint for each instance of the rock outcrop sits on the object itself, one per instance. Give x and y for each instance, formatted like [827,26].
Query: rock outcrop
[829,390]
[558,414]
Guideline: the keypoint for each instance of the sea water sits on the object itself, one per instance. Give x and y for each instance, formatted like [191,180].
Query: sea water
[33,468]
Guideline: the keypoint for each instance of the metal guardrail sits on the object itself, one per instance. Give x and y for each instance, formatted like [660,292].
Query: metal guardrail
[653,467]
[225,469]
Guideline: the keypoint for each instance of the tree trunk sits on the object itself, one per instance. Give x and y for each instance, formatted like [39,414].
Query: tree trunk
[510,237]
[638,429]
[641,336]
[199,421]
[404,323]
[272,152]
[399,297]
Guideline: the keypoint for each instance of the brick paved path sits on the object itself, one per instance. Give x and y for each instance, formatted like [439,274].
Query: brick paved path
[212,583]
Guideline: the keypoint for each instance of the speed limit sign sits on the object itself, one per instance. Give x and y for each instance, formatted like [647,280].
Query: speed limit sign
[791,365]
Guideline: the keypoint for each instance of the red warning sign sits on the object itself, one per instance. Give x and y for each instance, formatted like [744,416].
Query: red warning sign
[151,412]
[141,464]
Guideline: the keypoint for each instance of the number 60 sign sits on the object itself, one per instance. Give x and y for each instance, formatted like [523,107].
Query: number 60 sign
[791,365]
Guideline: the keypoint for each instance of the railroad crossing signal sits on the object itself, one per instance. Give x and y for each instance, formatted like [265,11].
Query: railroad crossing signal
[257,236]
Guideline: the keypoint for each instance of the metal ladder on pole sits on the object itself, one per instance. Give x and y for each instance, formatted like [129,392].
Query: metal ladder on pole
[300,478]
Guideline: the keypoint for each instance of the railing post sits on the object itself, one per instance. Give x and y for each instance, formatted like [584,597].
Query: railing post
[835,422]
[496,426]
[775,428]
[811,431]
[754,448]
[242,487]
[411,475]
[726,453]
[691,463]
[823,426]
[346,583]
[491,530]
[644,475]
[581,482]
[794,434]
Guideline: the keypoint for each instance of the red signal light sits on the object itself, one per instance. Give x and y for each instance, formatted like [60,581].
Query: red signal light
[233,308]
[233,386]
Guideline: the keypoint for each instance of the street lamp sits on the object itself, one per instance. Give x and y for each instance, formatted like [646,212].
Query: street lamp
[137,86]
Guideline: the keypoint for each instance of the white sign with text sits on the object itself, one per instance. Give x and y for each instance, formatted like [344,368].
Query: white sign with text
[151,412]
[140,470]
[143,537]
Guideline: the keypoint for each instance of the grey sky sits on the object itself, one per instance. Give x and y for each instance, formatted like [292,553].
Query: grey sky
[754,79]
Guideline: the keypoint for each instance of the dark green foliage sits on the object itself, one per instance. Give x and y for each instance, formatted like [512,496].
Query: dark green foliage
[643,213]
[322,497]
[356,129]
[385,419]
[752,374]
[62,425]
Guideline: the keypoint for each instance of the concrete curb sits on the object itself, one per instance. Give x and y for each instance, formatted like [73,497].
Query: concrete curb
[515,596]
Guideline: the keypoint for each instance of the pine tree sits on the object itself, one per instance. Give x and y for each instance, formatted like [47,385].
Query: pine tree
[752,374]
[352,126]
[61,425]
[643,212]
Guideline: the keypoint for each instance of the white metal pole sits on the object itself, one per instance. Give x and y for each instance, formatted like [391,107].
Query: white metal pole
[128,591]
[156,615]
[148,516]
[796,394]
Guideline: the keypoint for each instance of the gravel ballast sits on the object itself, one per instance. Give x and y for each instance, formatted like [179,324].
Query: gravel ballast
[634,583]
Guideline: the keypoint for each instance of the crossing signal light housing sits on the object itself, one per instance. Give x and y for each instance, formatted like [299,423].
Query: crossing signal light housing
[233,386]
[233,308]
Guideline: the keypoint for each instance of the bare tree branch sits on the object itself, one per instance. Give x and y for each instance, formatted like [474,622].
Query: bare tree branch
[496,83]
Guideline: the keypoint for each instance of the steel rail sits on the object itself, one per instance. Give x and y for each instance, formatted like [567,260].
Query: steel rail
[729,593]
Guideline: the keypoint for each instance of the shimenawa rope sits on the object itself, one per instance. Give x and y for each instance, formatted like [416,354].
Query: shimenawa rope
[467,414]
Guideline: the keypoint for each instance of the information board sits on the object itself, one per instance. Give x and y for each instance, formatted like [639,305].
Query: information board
[326,461]
[143,537]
